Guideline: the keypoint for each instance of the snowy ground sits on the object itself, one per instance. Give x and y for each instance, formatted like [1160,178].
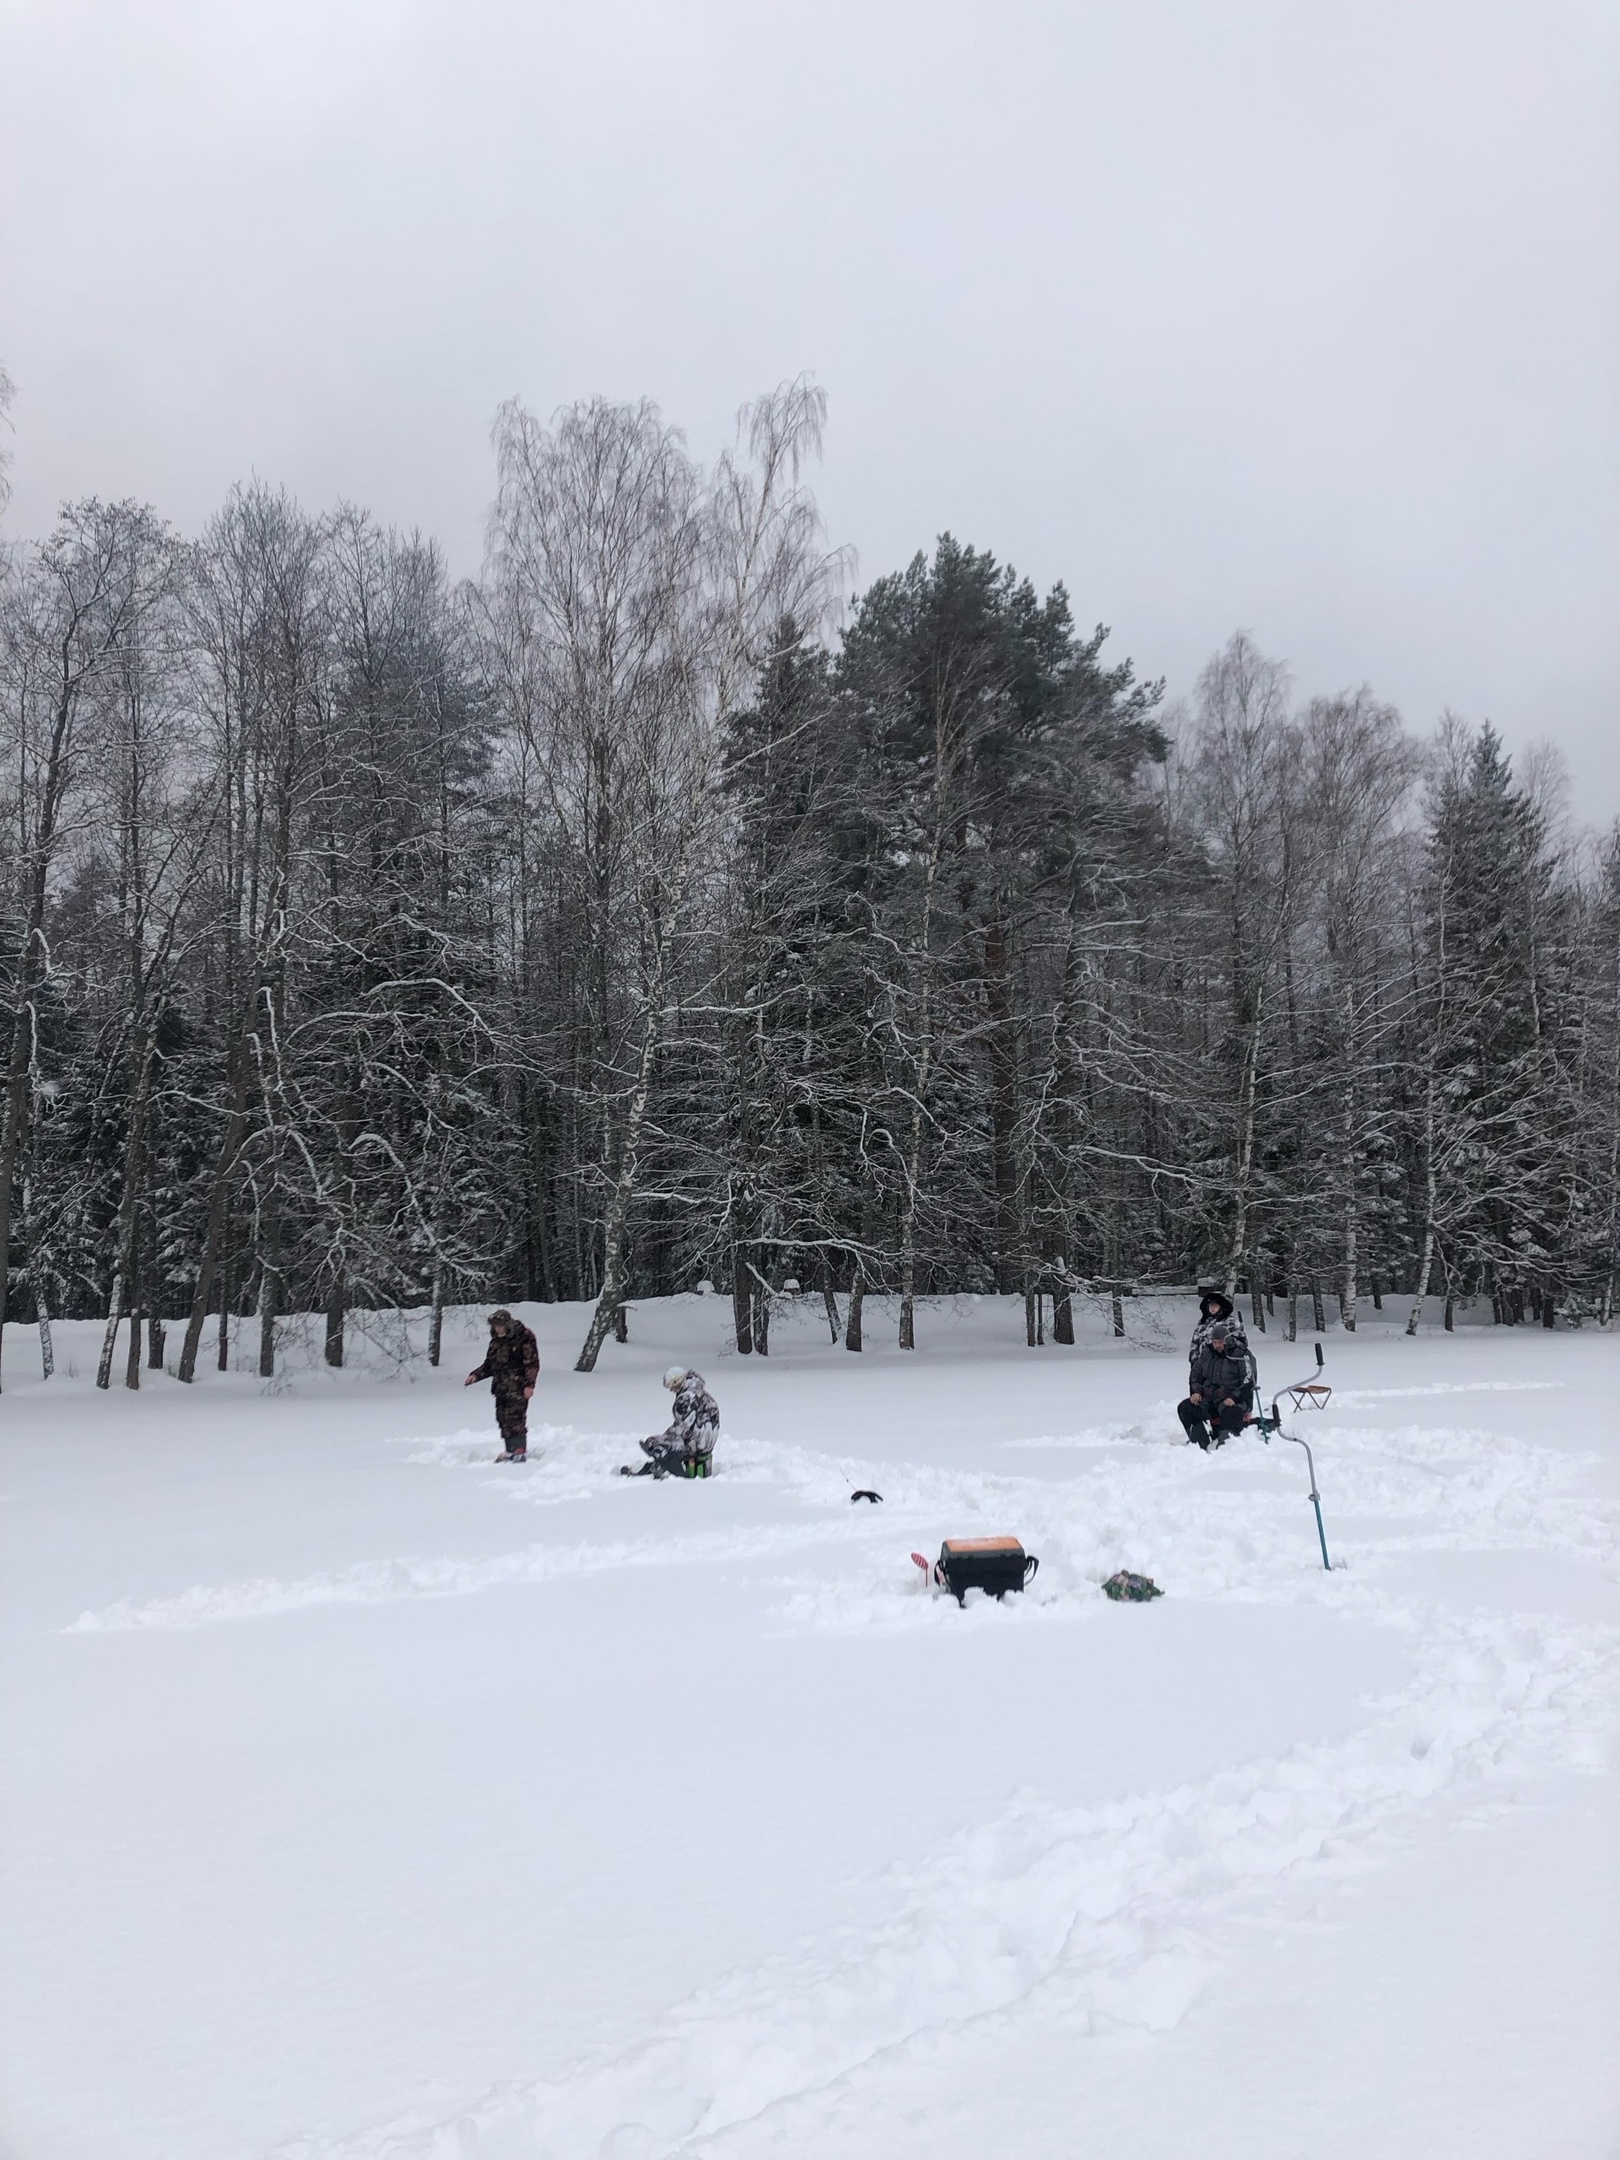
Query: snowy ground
[361,1798]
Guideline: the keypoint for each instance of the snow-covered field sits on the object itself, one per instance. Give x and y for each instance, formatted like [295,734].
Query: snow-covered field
[362,1798]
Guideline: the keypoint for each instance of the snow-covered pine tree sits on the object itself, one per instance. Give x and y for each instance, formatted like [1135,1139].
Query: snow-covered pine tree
[1495,929]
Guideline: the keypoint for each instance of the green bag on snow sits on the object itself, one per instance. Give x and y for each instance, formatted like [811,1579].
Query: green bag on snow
[1130,1589]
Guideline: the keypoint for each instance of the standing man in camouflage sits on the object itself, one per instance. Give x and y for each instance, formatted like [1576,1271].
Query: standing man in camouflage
[512,1364]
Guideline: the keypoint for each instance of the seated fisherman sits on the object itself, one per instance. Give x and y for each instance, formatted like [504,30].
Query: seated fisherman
[1218,1390]
[690,1435]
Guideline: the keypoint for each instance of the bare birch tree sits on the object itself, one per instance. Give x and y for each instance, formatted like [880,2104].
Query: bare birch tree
[631,606]
[82,600]
[1243,761]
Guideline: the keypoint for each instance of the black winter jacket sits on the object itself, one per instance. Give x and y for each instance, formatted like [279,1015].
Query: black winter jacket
[1214,1376]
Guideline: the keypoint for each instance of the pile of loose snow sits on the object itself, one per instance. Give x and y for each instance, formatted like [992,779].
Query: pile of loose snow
[377,1801]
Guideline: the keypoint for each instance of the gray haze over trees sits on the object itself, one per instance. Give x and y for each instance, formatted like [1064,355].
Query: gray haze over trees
[646,912]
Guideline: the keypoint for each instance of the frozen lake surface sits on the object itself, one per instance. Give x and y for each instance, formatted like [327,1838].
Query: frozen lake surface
[362,1798]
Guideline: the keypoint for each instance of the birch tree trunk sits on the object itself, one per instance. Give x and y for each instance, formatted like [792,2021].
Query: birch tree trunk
[124,1271]
[230,1149]
[109,1339]
[14,1118]
[618,1215]
[1348,1285]
[135,1178]
[436,1322]
[829,1297]
[908,1234]
[742,1303]
[335,1305]
[1426,1261]
[1247,1077]
[922,1079]
[36,1279]
[132,1358]
[223,1351]
[857,1301]
[270,1283]
[1062,1314]
[1011,1260]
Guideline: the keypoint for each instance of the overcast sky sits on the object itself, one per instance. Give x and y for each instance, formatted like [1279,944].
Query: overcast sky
[1304,318]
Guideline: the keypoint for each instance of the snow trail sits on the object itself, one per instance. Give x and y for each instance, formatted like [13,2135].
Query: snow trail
[379,1582]
[1108,1917]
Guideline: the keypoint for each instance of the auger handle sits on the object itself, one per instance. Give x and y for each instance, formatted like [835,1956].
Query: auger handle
[1316,1498]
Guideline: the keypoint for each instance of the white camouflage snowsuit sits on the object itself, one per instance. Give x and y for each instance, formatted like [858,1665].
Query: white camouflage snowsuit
[692,1429]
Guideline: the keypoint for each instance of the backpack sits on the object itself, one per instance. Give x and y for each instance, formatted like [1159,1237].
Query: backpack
[1130,1589]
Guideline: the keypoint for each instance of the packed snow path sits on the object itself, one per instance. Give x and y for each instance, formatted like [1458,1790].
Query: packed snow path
[365,1799]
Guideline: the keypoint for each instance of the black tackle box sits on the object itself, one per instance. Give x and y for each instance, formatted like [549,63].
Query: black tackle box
[992,1564]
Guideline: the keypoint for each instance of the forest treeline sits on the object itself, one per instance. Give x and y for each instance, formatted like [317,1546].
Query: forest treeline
[650,910]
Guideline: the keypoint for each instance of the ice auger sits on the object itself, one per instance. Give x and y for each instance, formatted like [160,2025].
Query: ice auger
[1303,1394]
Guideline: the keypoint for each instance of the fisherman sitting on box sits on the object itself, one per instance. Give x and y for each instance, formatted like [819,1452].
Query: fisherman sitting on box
[686,1447]
[1219,1393]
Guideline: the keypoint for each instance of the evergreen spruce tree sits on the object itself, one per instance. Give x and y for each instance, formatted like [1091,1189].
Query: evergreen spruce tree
[1497,1008]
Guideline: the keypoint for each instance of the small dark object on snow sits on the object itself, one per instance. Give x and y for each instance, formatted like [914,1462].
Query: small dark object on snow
[861,1493]
[1130,1589]
[994,1565]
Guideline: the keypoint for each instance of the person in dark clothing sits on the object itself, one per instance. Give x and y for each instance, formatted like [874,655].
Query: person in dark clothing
[1215,1311]
[689,1438]
[512,1365]
[1218,1391]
